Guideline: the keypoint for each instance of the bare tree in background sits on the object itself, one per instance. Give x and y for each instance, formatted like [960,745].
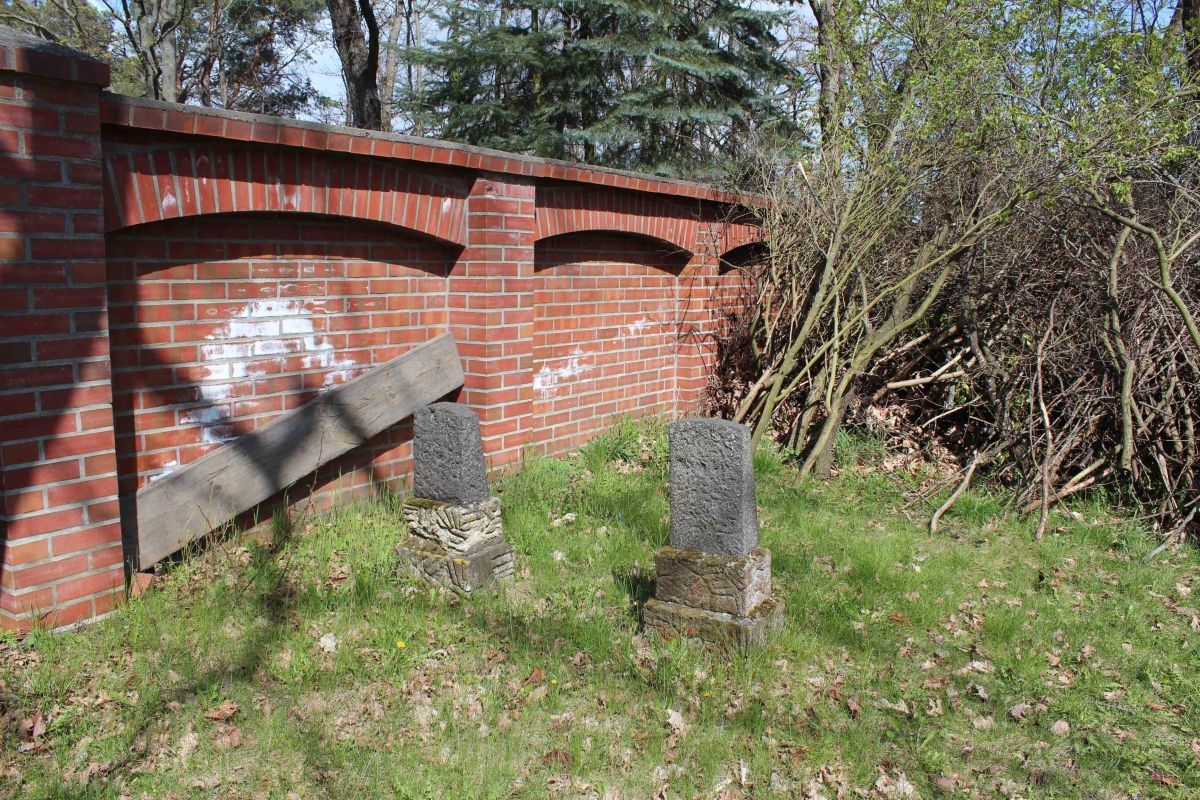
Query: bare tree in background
[401,74]
[151,26]
[356,39]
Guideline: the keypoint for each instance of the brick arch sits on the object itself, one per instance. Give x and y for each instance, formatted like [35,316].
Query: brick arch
[739,234]
[577,209]
[149,185]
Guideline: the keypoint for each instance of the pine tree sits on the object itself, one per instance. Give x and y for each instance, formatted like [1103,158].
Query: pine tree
[652,85]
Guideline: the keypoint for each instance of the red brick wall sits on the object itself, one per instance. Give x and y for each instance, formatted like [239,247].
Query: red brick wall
[174,278]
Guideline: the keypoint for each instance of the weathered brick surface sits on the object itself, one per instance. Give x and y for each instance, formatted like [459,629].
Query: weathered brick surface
[175,277]
[605,341]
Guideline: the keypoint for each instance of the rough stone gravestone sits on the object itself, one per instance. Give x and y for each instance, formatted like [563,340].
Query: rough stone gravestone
[712,487]
[714,581]
[448,461]
[455,534]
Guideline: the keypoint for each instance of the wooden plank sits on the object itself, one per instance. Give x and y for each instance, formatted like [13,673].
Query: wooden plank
[196,499]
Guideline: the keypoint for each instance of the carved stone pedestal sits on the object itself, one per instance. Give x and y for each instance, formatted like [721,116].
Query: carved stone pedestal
[723,600]
[461,547]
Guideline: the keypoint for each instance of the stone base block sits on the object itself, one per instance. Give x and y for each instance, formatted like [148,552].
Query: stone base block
[724,631]
[725,584]
[455,528]
[487,561]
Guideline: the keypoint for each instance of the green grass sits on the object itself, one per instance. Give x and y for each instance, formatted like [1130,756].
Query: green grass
[903,658]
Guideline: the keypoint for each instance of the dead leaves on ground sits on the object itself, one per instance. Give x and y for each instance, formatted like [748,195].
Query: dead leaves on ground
[222,712]
[31,730]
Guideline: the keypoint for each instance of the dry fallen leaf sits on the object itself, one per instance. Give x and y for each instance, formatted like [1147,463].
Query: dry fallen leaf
[33,728]
[187,743]
[228,737]
[1162,777]
[494,656]
[557,758]
[1061,728]
[222,712]
[209,782]
[1019,711]
[947,783]
[675,722]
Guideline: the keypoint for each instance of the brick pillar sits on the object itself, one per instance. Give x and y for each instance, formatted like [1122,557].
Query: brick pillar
[60,532]
[491,313]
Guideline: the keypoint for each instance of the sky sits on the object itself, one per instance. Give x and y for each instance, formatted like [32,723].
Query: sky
[326,72]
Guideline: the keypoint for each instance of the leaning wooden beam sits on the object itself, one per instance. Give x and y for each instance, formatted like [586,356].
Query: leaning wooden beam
[195,499]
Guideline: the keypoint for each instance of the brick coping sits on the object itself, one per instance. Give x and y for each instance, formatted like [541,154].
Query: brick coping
[157,115]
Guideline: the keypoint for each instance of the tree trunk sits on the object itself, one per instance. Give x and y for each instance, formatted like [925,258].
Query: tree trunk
[168,21]
[829,73]
[1187,17]
[151,27]
[826,445]
[358,50]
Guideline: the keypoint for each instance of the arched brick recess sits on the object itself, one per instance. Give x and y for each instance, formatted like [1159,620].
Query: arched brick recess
[606,333]
[220,323]
[737,237]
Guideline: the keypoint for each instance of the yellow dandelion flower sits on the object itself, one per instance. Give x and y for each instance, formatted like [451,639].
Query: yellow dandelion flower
[554,681]
[401,644]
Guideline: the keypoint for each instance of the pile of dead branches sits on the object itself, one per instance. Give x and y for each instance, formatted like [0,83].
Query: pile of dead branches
[992,240]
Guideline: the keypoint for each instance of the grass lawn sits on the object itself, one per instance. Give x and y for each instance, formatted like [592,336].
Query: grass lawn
[973,663]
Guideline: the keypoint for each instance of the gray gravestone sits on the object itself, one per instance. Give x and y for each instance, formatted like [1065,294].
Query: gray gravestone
[712,487]
[448,455]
